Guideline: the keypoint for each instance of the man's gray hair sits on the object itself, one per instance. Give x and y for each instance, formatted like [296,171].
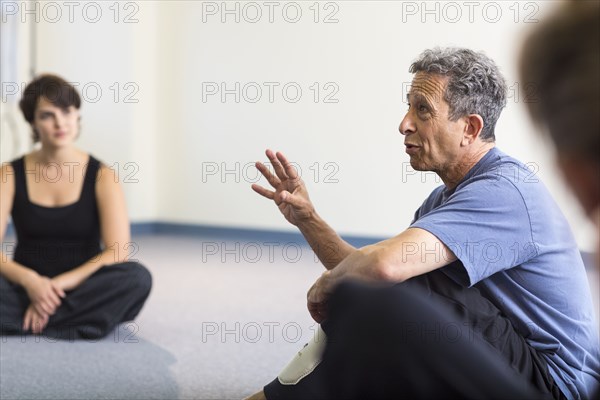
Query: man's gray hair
[475,84]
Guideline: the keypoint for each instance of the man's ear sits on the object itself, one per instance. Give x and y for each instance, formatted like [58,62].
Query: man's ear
[473,128]
[583,177]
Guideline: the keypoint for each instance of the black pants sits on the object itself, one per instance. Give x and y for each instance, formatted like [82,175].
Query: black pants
[113,294]
[425,338]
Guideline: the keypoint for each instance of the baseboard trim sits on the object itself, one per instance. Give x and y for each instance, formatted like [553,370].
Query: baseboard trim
[234,233]
[246,234]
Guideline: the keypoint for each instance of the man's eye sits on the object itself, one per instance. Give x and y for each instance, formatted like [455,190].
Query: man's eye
[422,108]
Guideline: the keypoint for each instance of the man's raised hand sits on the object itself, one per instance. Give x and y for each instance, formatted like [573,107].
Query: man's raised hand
[290,193]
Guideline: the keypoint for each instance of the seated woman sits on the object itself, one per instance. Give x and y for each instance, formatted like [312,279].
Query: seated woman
[64,203]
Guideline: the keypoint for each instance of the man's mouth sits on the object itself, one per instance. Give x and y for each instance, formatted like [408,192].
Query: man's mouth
[411,148]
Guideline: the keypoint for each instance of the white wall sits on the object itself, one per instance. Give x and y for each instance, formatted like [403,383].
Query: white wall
[15,65]
[113,64]
[177,48]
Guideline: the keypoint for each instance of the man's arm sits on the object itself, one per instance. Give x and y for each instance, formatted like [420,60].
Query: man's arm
[291,197]
[325,242]
[412,253]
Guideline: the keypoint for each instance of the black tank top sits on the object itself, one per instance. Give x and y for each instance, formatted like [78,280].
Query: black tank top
[52,240]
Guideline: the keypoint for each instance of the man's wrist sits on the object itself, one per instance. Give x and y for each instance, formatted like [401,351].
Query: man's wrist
[311,223]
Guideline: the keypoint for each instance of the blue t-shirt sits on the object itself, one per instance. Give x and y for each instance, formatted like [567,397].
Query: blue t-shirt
[513,242]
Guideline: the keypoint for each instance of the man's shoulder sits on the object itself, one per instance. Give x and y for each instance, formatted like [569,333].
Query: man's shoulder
[506,173]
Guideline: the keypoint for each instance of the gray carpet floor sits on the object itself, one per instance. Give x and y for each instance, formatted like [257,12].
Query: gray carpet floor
[216,329]
[222,319]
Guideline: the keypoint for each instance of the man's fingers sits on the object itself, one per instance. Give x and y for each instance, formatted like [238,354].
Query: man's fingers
[272,179]
[287,166]
[263,192]
[287,197]
[314,310]
[276,165]
[323,310]
[316,317]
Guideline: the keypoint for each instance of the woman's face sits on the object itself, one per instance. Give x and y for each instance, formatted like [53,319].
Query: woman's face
[55,126]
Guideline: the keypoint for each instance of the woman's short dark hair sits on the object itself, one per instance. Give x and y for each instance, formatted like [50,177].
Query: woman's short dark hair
[54,89]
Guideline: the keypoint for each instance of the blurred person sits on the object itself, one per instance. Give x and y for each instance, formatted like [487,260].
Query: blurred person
[487,250]
[69,277]
[561,62]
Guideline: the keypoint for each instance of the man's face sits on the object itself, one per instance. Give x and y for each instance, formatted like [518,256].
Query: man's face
[431,139]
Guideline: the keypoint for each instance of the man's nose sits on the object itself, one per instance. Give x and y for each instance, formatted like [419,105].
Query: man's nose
[406,125]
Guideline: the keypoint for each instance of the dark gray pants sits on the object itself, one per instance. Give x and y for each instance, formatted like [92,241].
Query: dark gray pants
[425,338]
[113,294]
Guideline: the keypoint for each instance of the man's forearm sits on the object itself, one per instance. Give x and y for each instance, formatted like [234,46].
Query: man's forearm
[329,247]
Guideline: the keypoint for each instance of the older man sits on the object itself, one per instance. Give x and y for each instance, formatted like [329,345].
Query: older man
[504,263]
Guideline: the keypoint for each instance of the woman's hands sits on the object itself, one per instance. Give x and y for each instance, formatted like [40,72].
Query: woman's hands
[290,193]
[45,295]
[34,320]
